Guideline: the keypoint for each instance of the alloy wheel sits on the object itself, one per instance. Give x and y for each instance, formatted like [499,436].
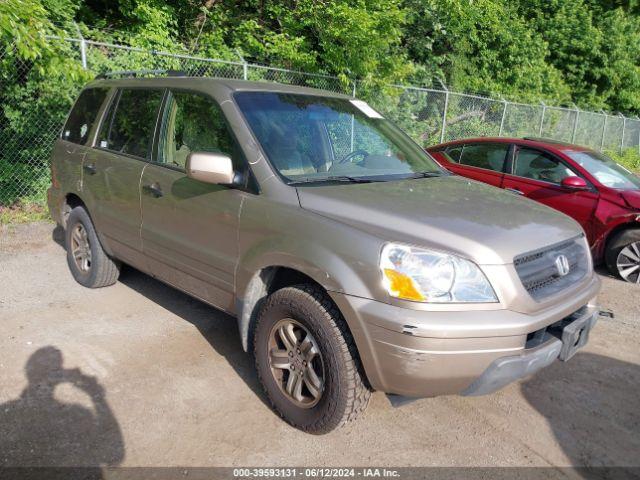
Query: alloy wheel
[628,263]
[296,363]
[80,248]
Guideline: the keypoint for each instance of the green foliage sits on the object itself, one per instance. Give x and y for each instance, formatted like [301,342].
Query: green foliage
[23,212]
[559,51]
[483,46]
[629,157]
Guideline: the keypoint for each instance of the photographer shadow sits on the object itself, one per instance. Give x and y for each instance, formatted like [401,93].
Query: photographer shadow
[38,430]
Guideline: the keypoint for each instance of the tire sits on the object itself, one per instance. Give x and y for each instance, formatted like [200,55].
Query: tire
[344,394]
[618,263]
[89,263]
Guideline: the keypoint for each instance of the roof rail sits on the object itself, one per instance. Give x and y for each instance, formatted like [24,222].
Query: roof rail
[546,140]
[137,73]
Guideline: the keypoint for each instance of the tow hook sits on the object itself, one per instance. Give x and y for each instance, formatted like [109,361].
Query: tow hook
[606,313]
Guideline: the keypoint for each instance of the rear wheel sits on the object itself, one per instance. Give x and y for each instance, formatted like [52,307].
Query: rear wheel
[89,263]
[307,361]
[623,255]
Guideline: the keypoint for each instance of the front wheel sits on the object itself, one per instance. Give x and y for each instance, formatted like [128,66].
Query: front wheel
[623,255]
[307,361]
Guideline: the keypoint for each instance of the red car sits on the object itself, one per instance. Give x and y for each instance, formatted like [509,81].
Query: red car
[601,195]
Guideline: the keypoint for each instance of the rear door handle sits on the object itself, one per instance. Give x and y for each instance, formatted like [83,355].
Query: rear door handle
[515,190]
[153,189]
[90,169]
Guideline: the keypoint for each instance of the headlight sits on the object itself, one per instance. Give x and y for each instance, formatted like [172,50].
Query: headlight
[421,275]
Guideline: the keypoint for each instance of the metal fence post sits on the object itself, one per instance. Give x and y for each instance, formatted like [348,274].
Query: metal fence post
[353,121]
[444,111]
[624,127]
[245,65]
[575,124]
[83,47]
[604,129]
[544,110]
[504,113]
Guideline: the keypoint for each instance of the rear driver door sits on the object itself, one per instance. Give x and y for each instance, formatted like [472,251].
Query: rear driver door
[112,169]
[480,161]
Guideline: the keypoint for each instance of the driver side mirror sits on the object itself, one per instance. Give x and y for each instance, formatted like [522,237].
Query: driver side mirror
[208,167]
[574,183]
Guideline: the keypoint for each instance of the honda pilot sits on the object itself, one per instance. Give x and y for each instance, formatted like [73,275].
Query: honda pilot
[352,261]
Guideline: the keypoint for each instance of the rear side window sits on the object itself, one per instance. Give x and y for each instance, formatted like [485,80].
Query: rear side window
[83,115]
[131,122]
[485,155]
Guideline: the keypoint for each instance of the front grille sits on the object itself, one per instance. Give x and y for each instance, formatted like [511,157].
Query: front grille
[539,273]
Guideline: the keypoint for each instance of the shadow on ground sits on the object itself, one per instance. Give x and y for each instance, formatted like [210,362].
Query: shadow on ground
[592,405]
[218,328]
[38,430]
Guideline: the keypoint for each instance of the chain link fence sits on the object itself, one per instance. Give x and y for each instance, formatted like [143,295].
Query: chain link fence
[34,107]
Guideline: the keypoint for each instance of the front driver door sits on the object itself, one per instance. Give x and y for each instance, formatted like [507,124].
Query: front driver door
[537,175]
[190,228]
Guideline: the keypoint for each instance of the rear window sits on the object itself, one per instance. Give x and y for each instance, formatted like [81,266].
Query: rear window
[83,115]
[129,129]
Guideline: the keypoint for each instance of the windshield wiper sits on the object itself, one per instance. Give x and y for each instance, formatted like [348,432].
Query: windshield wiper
[335,178]
[427,174]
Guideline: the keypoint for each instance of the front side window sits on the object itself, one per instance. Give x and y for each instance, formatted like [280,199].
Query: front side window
[454,153]
[193,123]
[83,115]
[605,170]
[314,139]
[539,165]
[485,155]
[130,124]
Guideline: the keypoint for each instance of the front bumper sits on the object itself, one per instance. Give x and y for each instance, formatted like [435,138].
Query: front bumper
[417,353]
[562,343]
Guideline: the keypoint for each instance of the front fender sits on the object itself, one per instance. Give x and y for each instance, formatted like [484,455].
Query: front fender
[615,223]
[337,256]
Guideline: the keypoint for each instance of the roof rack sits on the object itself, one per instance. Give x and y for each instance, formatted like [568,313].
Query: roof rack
[138,73]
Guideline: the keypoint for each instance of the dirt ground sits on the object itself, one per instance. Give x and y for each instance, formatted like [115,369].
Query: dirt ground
[139,374]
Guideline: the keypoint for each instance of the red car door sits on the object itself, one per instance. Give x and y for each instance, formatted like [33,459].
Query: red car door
[480,161]
[537,175]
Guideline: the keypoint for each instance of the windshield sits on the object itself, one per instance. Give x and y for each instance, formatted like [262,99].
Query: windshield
[319,139]
[605,170]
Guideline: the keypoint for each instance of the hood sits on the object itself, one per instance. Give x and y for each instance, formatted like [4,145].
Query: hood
[632,197]
[450,213]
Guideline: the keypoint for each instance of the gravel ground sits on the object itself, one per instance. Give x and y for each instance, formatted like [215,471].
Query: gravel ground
[139,374]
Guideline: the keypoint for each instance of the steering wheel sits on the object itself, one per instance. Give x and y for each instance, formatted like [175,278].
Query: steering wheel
[355,153]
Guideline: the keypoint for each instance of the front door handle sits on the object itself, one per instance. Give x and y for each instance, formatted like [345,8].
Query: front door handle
[90,168]
[153,189]
[515,190]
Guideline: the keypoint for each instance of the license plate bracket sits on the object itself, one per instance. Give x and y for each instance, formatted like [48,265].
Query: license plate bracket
[574,336]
